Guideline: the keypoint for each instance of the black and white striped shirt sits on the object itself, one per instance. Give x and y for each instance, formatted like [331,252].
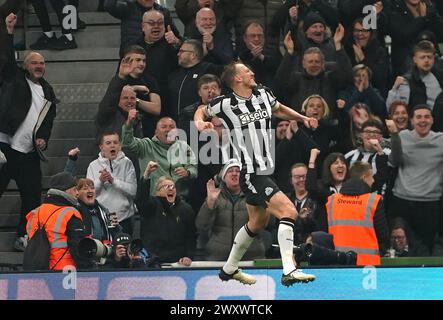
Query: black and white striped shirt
[249,123]
[365,156]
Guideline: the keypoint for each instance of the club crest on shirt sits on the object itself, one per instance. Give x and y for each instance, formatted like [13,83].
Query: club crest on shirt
[249,117]
[260,100]
[268,191]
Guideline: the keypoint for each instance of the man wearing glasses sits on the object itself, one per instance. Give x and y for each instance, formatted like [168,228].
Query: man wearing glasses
[374,150]
[161,45]
[131,13]
[183,81]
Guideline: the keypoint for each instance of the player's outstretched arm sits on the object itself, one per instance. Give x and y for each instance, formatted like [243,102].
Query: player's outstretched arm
[286,113]
[199,118]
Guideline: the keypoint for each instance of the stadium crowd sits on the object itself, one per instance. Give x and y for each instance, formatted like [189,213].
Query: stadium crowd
[372,169]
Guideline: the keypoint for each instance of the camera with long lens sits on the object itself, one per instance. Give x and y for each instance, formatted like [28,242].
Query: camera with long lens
[93,249]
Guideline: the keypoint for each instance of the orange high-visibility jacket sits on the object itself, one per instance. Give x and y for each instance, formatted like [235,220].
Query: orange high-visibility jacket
[60,255]
[351,222]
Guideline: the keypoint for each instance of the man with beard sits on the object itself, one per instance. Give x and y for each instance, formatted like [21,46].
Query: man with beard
[217,44]
[423,84]
[27,112]
[131,15]
[183,81]
[187,9]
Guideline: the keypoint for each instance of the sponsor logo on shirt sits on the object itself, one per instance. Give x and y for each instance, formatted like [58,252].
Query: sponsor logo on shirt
[249,117]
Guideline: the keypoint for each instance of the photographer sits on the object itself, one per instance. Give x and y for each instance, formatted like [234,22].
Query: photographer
[130,253]
[223,214]
[167,221]
[99,223]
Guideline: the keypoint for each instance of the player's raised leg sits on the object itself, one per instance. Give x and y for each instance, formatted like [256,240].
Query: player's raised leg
[258,218]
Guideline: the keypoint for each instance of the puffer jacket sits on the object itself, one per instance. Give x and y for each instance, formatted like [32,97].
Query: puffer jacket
[220,225]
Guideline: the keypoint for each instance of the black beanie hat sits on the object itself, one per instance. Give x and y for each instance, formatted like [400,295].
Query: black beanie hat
[312,18]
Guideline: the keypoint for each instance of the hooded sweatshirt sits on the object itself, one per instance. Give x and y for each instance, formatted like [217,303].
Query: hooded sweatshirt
[118,196]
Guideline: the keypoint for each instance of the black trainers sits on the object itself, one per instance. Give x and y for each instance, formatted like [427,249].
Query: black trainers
[64,43]
[296,276]
[43,43]
[237,275]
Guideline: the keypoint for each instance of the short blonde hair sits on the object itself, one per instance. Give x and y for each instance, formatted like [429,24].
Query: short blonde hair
[304,106]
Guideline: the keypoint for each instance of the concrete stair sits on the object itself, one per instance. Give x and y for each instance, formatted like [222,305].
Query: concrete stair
[94,36]
[80,78]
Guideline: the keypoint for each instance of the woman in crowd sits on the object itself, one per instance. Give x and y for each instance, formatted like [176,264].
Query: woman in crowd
[363,47]
[335,172]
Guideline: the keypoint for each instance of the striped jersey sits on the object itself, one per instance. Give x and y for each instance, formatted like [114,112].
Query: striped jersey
[249,123]
[365,156]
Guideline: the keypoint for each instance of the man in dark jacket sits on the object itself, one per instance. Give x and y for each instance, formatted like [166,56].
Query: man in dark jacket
[216,39]
[208,87]
[111,117]
[161,47]
[356,217]
[131,72]
[131,13]
[314,79]
[27,112]
[183,81]
[423,84]
[263,63]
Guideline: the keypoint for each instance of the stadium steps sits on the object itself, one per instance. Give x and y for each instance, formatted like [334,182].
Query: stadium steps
[80,78]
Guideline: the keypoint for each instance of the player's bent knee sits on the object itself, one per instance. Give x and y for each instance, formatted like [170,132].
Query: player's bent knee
[289,212]
[258,224]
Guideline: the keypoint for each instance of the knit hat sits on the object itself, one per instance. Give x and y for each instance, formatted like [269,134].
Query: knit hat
[312,18]
[62,181]
[229,164]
